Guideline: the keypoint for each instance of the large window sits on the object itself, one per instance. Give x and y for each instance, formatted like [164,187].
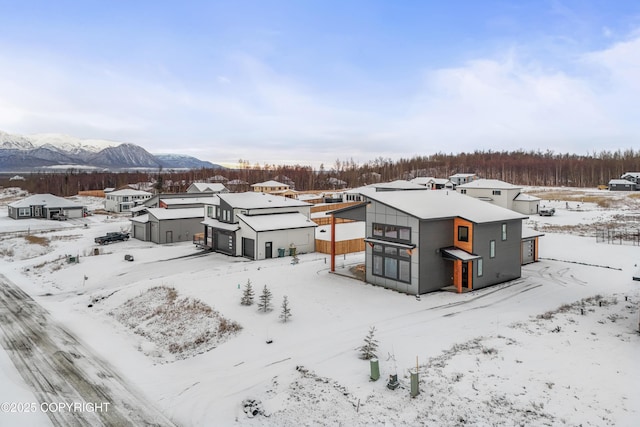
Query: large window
[394,233]
[504,231]
[463,233]
[492,249]
[24,211]
[392,262]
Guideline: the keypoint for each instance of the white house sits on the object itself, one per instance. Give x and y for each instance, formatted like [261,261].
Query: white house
[462,178]
[502,194]
[124,200]
[207,187]
[257,225]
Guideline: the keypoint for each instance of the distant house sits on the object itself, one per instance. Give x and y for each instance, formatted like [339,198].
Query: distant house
[123,200]
[633,177]
[218,178]
[423,241]
[275,187]
[45,206]
[336,183]
[356,194]
[257,225]
[462,178]
[621,185]
[433,183]
[502,194]
[206,187]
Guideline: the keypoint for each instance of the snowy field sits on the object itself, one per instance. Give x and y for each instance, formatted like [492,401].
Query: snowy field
[558,346]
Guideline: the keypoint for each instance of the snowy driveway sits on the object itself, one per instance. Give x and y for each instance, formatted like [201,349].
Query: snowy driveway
[72,385]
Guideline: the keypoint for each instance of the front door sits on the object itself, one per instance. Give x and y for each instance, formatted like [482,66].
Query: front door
[465,274]
[268,250]
[169,237]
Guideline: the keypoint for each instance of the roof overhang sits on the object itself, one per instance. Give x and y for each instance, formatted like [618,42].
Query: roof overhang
[389,243]
[457,254]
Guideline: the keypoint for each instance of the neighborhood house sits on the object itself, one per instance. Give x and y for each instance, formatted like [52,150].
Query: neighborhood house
[124,200]
[502,194]
[46,206]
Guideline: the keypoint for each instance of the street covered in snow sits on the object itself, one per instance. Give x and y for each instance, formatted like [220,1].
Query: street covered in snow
[167,334]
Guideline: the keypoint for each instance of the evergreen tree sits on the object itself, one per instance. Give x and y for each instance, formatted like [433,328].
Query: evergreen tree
[368,350]
[247,294]
[265,300]
[285,314]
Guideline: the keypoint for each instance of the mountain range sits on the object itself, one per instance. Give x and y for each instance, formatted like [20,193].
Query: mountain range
[54,151]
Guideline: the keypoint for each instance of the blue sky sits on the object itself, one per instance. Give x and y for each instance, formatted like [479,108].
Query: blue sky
[310,81]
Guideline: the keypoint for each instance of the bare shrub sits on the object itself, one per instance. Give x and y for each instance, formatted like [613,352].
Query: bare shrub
[37,240]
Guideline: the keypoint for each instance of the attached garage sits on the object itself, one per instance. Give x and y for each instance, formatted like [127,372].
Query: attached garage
[248,248]
[529,251]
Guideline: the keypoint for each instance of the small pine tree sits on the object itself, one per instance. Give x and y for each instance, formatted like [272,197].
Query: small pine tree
[265,300]
[368,350]
[285,314]
[247,294]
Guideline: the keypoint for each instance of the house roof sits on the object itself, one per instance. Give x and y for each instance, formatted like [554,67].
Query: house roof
[48,200]
[270,183]
[271,222]
[530,233]
[523,197]
[633,174]
[255,200]
[129,192]
[456,253]
[399,184]
[203,187]
[423,180]
[621,182]
[462,175]
[443,204]
[212,222]
[489,184]
[209,200]
[143,219]
[184,213]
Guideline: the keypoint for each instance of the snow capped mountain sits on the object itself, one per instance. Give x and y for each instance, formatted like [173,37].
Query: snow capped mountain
[18,152]
[181,161]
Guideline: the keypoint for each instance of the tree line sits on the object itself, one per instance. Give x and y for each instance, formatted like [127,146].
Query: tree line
[528,168]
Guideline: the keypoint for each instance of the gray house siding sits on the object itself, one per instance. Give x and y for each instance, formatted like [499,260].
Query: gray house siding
[176,230]
[435,271]
[506,265]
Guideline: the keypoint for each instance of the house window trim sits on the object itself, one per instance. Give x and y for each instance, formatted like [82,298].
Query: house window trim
[492,248]
[386,228]
[384,255]
[479,267]
[504,231]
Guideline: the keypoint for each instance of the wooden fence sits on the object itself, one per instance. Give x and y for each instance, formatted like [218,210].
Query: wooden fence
[342,247]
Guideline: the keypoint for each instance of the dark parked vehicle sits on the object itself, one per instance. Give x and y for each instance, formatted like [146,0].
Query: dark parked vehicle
[547,211]
[112,237]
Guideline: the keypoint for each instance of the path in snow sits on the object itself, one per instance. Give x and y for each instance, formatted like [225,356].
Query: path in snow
[60,369]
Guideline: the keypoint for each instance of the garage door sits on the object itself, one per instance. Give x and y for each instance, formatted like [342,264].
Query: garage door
[248,248]
[224,242]
[528,251]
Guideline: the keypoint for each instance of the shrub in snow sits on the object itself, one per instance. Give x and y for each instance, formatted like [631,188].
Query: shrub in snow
[264,303]
[247,294]
[370,346]
[285,314]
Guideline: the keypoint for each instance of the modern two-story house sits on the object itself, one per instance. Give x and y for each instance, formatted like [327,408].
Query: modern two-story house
[502,194]
[423,241]
[258,225]
[125,199]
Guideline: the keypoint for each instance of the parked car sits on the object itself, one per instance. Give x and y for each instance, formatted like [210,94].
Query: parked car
[59,216]
[547,211]
[112,237]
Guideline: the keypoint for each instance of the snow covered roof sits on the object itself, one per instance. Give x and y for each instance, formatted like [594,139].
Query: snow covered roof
[208,187]
[399,184]
[184,213]
[138,208]
[143,219]
[462,175]
[458,254]
[212,222]
[633,174]
[270,183]
[48,200]
[344,231]
[530,233]
[443,204]
[490,184]
[621,182]
[130,192]
[523,197]
[423,180]
[255,200]
[209,200]
[272,222]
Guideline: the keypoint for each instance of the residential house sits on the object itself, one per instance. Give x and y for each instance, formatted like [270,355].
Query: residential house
[621,185]
[502,194]
[423,241]
[274,187]
[356,194]
[123,200]
[164,225]
[462,178]
[45,206]
[633,177]
[433,183]
[206,187]
[256,225]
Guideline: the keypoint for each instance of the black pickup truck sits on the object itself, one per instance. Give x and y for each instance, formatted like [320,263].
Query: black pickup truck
[112,237]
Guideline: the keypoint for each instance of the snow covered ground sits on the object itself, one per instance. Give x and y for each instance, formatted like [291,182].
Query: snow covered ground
[556,347]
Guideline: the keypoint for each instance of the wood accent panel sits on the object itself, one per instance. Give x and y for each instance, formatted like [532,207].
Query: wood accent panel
[342,247]
[467,246]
